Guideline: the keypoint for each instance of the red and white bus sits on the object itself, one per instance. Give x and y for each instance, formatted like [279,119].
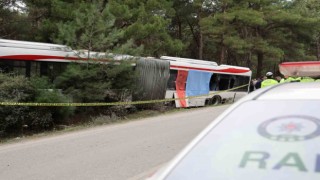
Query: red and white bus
[34,59]
[187,77]
[214,78]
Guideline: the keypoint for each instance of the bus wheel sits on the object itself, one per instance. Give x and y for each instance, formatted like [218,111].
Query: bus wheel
[171,104]
[208,101]
[216,100]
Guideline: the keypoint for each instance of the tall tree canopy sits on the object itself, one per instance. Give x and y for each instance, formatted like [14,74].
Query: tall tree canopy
[147,22]
[255,33]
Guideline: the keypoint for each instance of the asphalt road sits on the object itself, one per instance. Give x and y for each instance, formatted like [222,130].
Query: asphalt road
[120,151]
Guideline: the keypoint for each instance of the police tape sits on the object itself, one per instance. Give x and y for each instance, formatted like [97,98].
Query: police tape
[113,103]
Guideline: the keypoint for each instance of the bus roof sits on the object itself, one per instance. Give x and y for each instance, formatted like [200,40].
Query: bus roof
[35,51]
[33,45]
[188,60]
[238,67]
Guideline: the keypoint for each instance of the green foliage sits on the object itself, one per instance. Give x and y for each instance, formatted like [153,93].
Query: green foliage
[266,29]
[46,93]
[93,28]
[147,23]
[91,82]
[39,119]
[254,33]
[14,89]
[15,120]
[129,48]
[59,114]
[90,25]
[84,82]
[41,83]
[14,25]
[223,30]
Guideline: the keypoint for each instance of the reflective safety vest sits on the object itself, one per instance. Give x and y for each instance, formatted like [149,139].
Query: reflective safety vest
[293,79]
[282,80]
[307,79]
[268,82]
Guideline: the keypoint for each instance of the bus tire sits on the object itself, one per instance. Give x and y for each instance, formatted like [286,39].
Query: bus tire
[171,104]
[208,101]
[216,100]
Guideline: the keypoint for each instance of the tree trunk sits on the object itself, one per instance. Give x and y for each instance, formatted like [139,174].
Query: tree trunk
[248,60]
[260,65]
[223,47]
[193,33]
[200,38]
[179,28]
[318,49]
[222,54]
[200,55]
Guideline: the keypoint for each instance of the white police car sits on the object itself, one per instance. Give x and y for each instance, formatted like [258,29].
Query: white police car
[273,133]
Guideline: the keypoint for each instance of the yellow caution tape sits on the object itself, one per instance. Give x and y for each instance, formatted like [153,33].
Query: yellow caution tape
[112,103]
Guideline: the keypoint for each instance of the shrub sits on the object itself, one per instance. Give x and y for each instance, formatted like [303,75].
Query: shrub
[15,120]
[46,93]
[40,119]
[59,114]
[41,83]
[83,82]
[96,82]
[14,89]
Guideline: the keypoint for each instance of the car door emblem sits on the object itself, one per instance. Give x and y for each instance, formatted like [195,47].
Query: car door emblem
[290,128]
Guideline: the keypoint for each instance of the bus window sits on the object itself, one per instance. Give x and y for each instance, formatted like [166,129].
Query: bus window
[24,68]
[171,85]
[224,82]
[220,82]
[213,85]
[6,66]
[232,81]
[19,67]
[240,81]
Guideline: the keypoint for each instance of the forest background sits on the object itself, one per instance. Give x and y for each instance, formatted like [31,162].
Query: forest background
[258,34]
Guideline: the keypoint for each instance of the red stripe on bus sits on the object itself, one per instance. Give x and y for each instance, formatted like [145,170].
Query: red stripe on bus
[300,63]
[181,86]
[230,70]
[37,57]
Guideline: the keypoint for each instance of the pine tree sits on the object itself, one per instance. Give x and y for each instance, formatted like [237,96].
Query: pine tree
[187,27]
[262,31]
[13,20]
[310,38]
[147,23]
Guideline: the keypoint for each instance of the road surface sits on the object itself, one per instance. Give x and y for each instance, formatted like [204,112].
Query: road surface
[120,151]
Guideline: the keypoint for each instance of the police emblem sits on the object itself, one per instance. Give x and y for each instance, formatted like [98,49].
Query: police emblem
[290,128]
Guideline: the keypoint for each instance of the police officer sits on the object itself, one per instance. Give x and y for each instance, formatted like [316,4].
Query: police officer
[284,79]
[293,79]
[269,81]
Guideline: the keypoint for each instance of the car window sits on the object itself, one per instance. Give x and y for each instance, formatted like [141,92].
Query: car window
[258,140]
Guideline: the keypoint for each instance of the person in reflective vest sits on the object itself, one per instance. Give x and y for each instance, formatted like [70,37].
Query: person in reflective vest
[293,79]
[283,79]
[307,79]
[269,81]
